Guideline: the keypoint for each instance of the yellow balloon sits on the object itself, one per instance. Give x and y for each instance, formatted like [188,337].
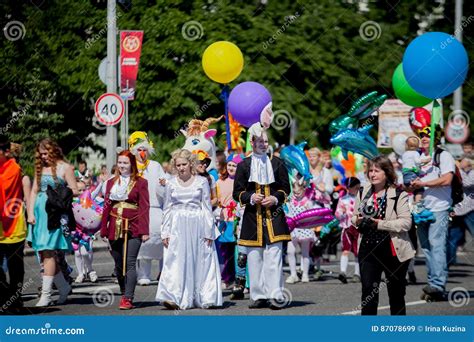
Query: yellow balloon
[222,62]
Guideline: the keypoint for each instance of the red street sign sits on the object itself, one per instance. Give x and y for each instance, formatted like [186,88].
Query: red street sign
[109,109]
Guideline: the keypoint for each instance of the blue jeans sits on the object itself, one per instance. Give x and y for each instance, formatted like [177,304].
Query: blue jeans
[433,243]
[455,235]
[469,219]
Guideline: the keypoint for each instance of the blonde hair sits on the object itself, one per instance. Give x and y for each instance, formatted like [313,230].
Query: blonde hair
[412,143]
[184,154]
[315,150]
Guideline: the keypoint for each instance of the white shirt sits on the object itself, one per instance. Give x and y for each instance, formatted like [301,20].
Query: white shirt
[261,170]
[411,159]
[119,191]
[438,198]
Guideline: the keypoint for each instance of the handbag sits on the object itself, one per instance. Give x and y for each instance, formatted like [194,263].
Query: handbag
[59,206]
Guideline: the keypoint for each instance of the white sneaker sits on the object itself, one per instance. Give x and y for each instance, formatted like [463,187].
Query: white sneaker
[79,278]
[93,277]
[305,279]
[144,282]
[292,279]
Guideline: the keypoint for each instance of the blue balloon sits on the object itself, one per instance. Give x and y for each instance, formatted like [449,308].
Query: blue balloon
[295,158]
[357,141]
[435,64]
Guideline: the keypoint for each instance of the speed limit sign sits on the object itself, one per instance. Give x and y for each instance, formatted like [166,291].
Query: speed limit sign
[109,109]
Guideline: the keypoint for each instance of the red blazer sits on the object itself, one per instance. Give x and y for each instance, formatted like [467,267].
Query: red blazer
[139,218]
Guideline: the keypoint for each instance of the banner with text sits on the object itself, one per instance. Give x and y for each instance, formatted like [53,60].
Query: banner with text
[130,50]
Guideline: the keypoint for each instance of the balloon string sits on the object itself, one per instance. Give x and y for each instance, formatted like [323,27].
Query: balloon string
[225,97]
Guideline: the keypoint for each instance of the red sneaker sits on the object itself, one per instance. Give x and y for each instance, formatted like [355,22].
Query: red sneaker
[126,303]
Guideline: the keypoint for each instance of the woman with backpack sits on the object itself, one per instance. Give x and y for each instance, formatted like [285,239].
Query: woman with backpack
[51,170]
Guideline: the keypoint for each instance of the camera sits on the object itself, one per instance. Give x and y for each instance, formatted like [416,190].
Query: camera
[369,211]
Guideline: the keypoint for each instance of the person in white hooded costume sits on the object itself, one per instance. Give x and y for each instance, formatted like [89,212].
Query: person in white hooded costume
[142,147]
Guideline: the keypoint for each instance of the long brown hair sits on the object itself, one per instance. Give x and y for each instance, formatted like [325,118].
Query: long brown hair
[382,162]
[55,154]
[134,175]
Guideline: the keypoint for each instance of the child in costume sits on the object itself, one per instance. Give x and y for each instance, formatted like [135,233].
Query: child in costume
[227,209]
[350,235]
[301,199]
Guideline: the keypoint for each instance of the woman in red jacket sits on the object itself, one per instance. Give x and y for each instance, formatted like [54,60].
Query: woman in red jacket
[125,222]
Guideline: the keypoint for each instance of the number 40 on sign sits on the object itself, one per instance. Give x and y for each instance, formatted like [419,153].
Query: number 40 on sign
[109,109]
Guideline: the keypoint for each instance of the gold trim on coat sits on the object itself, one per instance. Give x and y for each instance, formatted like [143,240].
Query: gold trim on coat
[259,241]
[271,234]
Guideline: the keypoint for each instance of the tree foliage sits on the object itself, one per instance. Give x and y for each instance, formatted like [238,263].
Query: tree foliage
[309,54]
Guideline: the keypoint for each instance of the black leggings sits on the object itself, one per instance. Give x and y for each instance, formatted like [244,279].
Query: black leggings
[10,292]
[127,284]
[373,261]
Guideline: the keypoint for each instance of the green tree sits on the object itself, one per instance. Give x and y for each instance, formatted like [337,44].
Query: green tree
[311,55]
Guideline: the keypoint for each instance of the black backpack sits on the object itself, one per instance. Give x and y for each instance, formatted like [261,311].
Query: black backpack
[457,194]
[59,203]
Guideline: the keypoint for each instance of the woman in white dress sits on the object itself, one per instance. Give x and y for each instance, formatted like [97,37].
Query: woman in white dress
[190,276]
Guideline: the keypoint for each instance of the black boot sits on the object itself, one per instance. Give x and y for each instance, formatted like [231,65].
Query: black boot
[259,304]
[238,290]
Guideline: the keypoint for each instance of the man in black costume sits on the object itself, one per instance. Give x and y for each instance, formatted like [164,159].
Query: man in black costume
[262,185]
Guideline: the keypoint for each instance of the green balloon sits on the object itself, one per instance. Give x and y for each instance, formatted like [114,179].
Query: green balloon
[405,92]
[342,122]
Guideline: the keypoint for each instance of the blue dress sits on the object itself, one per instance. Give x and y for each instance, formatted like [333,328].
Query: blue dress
[40,236]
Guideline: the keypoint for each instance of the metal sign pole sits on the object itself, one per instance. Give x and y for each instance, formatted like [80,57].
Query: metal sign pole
[111,133]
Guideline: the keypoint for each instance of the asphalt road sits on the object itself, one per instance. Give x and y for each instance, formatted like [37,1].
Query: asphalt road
[325,297]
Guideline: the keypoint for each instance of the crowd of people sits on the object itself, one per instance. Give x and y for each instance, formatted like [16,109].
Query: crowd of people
[211,231]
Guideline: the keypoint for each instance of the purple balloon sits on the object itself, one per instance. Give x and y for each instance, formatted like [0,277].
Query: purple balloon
[246,102]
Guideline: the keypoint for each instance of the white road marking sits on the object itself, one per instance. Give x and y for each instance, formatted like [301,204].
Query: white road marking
[357,312]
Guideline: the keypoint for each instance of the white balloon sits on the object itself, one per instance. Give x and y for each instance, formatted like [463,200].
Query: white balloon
[398,143]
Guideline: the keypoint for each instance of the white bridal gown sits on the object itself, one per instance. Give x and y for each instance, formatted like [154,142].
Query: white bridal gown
[191,275]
